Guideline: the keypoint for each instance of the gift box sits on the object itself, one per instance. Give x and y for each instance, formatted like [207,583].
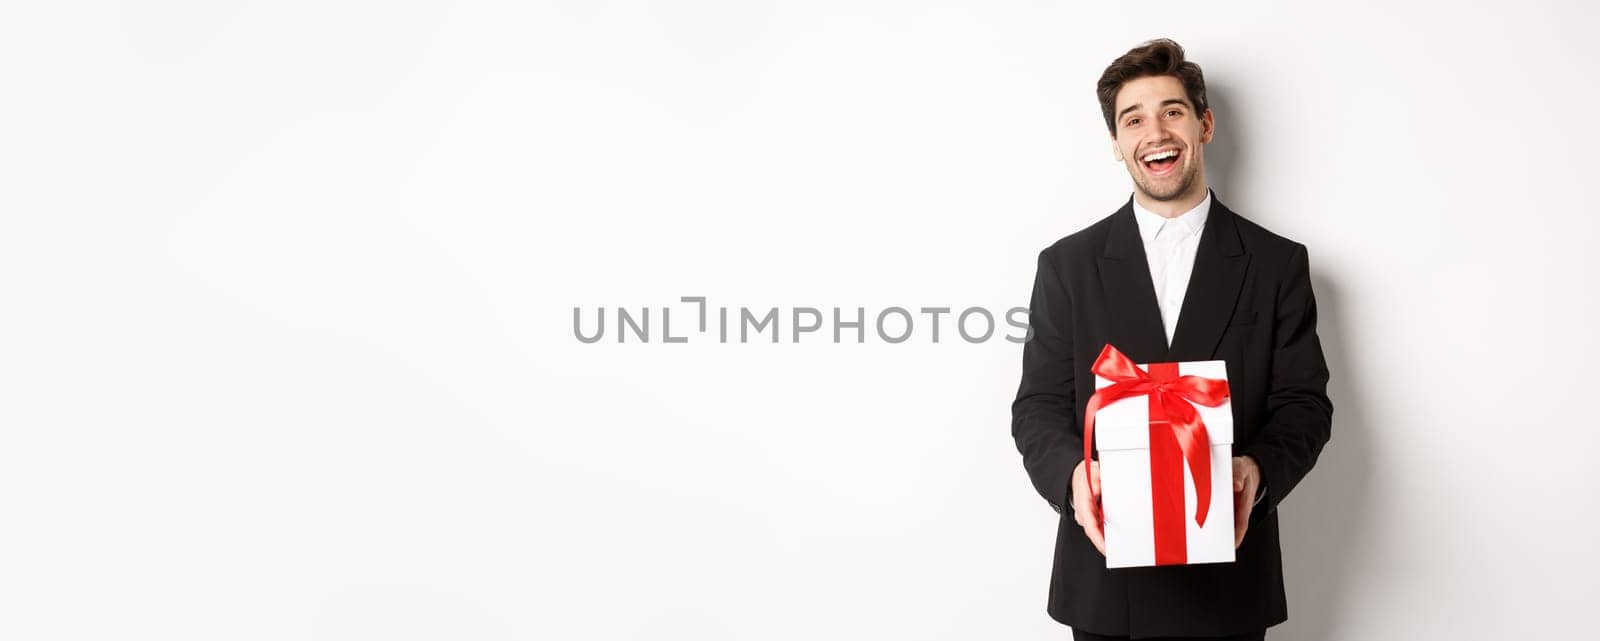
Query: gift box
[1159,426]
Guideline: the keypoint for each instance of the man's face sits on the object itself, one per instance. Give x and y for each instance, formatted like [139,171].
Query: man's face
[1159,137]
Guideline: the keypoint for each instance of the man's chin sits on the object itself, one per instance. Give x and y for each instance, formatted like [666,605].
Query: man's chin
[1167,191]
[1163,195]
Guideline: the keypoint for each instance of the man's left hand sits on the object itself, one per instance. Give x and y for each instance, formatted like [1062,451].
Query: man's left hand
[1246,480]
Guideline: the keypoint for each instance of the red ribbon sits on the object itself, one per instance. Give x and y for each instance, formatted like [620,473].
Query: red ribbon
[1176,435]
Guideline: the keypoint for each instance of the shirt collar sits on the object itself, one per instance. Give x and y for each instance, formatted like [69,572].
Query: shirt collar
[1191,221]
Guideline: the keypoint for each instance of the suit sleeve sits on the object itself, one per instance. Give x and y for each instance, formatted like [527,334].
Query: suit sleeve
[1299,416]
[1043,420]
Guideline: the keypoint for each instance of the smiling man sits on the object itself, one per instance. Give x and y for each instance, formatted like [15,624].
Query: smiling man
[1173,275]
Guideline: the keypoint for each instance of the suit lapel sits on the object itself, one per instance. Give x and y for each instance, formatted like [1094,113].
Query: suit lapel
[1219,265]
[1135,315]
[1136,328]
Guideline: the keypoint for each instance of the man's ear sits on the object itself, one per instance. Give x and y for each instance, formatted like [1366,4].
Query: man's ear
[1116,150]
[1208,127]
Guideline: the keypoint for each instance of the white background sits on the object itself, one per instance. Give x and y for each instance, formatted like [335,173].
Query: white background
[286,296]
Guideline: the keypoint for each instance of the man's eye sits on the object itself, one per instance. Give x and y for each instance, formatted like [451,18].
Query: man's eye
[1172,112]
[1133,121]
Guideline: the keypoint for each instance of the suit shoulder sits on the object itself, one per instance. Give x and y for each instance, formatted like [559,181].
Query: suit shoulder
[1082,243]
[1260,240]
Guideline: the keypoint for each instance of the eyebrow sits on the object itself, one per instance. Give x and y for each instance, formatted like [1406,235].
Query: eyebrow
[1169,101]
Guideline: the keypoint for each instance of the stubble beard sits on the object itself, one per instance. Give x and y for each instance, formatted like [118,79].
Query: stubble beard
[1164,195]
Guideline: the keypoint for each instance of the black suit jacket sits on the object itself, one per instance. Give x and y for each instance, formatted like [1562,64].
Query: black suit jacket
[1249,303]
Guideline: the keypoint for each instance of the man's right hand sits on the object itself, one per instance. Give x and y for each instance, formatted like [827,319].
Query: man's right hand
[1086,507]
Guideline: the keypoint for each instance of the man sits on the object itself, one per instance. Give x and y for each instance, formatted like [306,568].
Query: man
[1173,275]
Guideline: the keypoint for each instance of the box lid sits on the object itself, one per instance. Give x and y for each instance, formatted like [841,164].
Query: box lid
[1125,424]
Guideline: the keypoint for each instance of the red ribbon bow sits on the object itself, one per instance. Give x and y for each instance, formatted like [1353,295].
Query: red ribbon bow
[1173,421]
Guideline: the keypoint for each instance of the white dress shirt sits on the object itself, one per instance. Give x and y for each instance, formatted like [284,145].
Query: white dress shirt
[1170,245]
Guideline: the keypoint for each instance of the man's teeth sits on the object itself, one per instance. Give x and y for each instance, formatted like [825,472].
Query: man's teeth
[1160,155]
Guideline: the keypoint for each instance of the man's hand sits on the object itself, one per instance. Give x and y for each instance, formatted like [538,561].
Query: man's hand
[1086,507]
[1246,480]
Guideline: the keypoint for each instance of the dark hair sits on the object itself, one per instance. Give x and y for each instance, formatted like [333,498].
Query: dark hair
[1160,57]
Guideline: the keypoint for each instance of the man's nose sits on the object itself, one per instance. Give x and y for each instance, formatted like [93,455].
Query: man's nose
[1163,137]
[1163,131]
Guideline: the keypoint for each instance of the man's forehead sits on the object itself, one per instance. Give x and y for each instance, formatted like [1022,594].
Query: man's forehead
[1151,91]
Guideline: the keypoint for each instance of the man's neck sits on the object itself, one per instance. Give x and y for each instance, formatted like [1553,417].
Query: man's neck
[1173,208]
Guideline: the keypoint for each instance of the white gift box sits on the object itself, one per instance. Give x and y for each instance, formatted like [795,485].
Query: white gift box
[1122,433]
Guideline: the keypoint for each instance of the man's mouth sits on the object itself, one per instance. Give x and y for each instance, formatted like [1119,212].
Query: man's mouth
[1160,163]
